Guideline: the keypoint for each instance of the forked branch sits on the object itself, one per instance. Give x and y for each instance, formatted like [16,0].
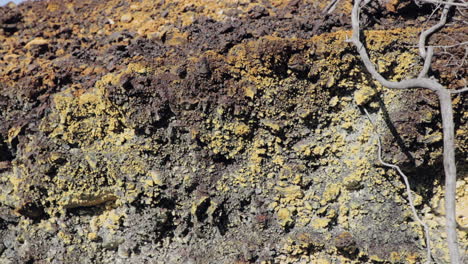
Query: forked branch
[446,110]
[426,33]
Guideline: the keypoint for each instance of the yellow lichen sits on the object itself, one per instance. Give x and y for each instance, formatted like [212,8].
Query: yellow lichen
[363,95]
[320,223]
[284,217]
[331,193]
[241,129]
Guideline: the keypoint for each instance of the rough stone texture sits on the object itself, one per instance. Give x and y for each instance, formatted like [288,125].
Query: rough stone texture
[218,132]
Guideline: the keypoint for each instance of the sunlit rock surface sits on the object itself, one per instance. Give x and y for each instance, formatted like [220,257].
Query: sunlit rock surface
[219,132]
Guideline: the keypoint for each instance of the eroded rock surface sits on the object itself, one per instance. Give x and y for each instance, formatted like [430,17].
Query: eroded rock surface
[218,132]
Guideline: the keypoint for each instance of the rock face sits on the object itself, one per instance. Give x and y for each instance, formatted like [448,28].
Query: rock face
[217,132]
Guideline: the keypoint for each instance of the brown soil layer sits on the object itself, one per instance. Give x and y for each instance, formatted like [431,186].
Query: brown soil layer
[220,132]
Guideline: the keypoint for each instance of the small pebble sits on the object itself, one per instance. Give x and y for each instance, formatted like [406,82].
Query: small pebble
[127,18]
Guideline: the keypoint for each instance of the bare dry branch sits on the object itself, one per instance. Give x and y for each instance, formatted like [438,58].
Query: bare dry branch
[427,63]
[460,91]
[405,84]
[445,3]
[331,6]
[408,188]
[442,46]
[425,34]
[446,110]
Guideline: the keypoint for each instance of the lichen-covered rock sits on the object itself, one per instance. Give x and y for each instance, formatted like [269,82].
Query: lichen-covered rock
[216,132]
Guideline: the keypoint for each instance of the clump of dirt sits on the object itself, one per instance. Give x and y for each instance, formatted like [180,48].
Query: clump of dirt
[214,132]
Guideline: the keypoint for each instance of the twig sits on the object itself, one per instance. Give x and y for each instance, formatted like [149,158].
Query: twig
[441,46]
[408,188]
[331,6]
[460,91]
[445,3]
[454,45]
[432,13]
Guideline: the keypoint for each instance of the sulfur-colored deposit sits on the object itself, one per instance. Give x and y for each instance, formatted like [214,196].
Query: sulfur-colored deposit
[222,131]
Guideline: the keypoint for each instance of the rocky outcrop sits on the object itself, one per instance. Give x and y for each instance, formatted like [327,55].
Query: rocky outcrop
[217,132]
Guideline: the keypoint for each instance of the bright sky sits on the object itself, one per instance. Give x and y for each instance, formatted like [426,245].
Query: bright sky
[4,2]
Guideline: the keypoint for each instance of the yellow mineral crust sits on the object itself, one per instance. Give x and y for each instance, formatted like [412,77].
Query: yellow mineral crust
[109,166]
